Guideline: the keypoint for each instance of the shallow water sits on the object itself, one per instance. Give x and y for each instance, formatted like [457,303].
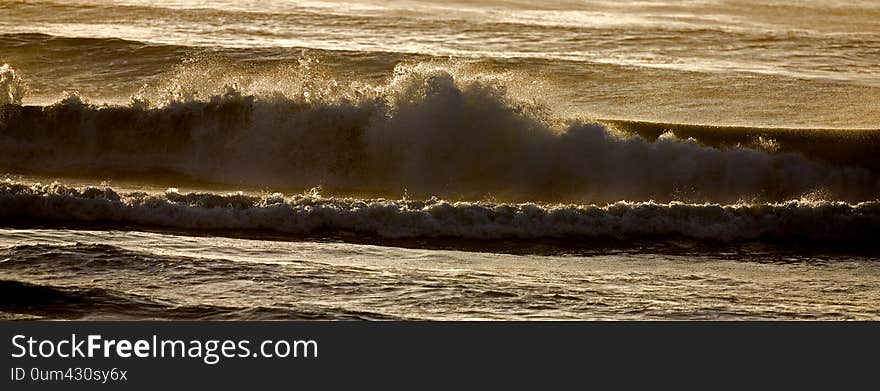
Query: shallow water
[60,273]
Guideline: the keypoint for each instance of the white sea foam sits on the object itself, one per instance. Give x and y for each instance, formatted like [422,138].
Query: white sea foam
[310,213]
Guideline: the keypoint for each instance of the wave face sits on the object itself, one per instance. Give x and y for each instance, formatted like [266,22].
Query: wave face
[427,131]
[822,221]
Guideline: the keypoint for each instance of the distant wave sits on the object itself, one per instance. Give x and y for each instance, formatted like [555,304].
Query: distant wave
[310,214]
[427,131]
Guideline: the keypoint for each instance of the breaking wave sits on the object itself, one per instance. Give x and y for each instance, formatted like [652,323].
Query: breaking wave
[312,214]
[427,131]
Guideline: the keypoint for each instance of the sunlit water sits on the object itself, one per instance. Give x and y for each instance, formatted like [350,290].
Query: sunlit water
[376,159]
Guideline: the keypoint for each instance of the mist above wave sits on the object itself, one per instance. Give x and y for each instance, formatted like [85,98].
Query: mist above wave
[428,130]
[12,88]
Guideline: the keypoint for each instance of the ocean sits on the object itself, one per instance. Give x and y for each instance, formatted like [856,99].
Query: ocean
[427,160]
